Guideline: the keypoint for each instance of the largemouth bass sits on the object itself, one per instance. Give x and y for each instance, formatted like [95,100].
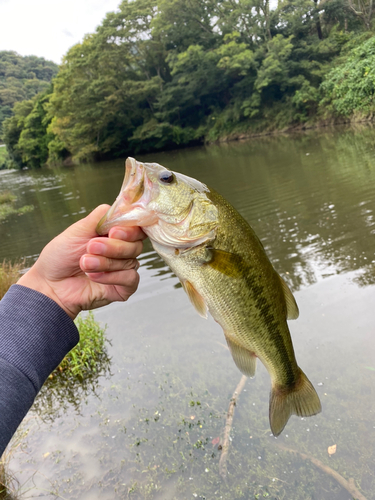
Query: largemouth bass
[224,270]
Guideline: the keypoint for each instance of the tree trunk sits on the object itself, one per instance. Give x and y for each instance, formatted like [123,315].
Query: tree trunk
[317,22]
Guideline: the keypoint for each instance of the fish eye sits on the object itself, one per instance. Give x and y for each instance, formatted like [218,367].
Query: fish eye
[166,177]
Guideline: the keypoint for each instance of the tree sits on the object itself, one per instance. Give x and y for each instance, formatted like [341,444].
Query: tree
[21,78]
[350,87]
[107,85]
[13,127]
[364,10]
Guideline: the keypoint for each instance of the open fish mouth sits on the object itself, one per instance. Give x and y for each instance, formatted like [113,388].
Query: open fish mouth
[129,209]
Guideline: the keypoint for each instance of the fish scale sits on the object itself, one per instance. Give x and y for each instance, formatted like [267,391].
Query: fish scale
[225,271]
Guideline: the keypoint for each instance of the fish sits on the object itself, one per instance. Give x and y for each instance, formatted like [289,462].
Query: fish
[224,270]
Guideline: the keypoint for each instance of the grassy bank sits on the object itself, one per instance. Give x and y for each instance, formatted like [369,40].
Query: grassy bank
[9,274]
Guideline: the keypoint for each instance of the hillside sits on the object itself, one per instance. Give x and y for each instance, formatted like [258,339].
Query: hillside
[22,78]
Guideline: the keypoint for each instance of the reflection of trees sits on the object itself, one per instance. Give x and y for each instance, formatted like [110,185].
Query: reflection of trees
[63,391]
[309,198]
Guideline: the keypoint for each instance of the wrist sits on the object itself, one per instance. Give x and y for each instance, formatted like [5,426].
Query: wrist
[33,280]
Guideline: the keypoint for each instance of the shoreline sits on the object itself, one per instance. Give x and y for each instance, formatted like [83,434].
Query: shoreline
[334,122]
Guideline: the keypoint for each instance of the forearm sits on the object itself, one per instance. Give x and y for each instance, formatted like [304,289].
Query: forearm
[35,335]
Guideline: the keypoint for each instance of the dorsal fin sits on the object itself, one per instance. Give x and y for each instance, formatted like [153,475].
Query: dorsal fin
[291,304]
[245,360]
[195,298]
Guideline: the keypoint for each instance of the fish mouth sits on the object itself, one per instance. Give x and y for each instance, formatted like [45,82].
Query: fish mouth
[129,209]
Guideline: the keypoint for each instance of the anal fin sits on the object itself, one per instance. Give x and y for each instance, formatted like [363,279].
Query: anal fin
[195,298]
[245,360]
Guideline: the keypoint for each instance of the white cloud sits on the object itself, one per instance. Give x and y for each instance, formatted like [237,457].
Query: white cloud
[48,28]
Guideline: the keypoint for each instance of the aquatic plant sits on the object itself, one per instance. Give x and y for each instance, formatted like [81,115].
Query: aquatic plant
[77,375]
[7,206]
[10,488]
[90,350]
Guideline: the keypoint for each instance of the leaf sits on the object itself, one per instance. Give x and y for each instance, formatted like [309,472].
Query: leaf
[332,449]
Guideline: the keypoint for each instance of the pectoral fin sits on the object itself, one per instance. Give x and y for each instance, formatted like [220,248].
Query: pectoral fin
[245,360]
[227,263]
[195,298]
[291,304]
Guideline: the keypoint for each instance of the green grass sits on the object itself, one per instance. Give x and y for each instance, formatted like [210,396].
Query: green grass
[78,374]
[84,358]
[9,274]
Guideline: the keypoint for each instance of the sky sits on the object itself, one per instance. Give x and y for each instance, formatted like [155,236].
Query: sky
[48,28]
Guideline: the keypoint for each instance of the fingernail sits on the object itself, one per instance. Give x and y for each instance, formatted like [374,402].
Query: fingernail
[119,234]
[97,247]
[91,263]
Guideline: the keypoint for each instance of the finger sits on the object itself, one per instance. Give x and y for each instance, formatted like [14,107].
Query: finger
[114,248]
[131,233]
[96,263]
[128,280]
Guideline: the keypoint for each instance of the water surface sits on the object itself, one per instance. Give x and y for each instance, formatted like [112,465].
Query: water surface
[148,427]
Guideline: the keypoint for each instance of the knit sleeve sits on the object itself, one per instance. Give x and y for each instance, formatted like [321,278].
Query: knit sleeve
[35,335]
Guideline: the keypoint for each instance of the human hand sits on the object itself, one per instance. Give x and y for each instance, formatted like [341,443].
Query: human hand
[82,271]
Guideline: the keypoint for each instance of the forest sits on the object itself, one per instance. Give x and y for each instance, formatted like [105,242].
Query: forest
[161,74]
[22,78]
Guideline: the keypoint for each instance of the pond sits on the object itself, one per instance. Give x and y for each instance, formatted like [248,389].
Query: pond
[147,425]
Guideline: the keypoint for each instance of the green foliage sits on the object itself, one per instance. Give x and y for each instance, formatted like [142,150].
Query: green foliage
[21,78]
[27,132]
[349,88]
[88,353]
[13,127]
[3,157]
[158,74]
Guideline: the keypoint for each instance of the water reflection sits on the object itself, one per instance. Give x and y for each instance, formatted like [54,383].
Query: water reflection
[64,393]
[149,431]
[309,198]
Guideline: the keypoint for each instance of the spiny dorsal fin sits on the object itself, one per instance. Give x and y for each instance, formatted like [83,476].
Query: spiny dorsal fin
[195,298]
[291,304]
[245,360]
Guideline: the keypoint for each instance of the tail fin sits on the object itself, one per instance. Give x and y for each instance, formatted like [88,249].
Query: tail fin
[301,400]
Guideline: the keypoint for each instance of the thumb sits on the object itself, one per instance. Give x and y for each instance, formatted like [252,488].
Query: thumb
[86,227]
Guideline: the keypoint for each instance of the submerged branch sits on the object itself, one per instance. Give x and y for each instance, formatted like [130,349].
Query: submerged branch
[348,485]
[228,427]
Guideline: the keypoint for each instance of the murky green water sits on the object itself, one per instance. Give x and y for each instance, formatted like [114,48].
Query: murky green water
[148,429]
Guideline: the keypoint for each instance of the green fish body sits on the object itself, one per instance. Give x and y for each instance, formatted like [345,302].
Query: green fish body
[225,271]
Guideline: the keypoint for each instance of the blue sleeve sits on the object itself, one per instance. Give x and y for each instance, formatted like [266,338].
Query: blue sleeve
[35,335]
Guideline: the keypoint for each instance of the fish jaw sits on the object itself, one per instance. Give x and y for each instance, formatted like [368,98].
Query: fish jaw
[131,205]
